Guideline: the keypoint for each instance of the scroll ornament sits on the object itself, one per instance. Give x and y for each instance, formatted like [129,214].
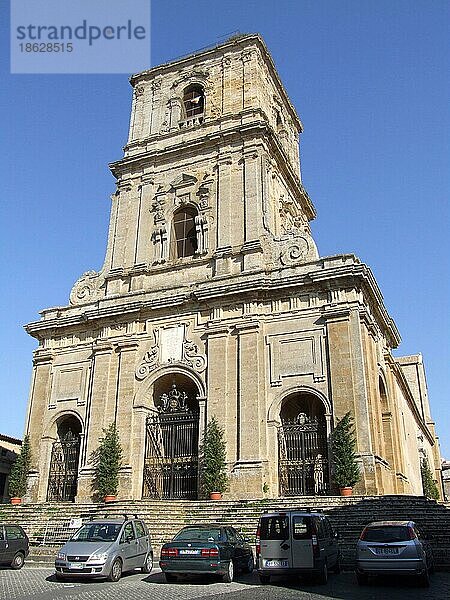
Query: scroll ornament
[86,288]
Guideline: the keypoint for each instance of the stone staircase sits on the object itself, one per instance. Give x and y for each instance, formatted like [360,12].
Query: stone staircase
[49,525]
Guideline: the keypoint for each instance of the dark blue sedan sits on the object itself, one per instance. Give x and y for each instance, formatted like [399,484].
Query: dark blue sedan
[206,549]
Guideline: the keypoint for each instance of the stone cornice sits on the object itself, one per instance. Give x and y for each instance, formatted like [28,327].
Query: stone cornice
[212,138]
[340,270]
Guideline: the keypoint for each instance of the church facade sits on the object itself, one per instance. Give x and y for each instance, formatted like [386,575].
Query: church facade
[214,300]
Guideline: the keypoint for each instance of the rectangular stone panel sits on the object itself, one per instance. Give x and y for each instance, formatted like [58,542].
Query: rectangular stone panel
[69,383]
[296,353]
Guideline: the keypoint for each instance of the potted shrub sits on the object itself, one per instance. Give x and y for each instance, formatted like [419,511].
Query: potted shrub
[107,461]
[343,445]
[430,488]
[17,484]
[214,476]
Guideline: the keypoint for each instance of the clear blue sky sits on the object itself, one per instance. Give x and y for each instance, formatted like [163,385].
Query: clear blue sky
[370,81]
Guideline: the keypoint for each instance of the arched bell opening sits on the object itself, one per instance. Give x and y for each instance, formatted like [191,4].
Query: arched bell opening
[172,439]
[302,446]
[63,472]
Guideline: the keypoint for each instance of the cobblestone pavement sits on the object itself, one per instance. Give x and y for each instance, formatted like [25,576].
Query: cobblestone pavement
[38,584]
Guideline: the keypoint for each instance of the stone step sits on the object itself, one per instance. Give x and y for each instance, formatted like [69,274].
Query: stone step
[49,524]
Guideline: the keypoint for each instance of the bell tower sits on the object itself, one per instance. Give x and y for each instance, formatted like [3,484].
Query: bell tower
[210,183]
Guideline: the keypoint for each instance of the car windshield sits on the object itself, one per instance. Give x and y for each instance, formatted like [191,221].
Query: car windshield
[387,533]
[200,533]
[97,532]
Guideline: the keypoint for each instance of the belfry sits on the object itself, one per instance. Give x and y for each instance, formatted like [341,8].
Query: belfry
[213,300]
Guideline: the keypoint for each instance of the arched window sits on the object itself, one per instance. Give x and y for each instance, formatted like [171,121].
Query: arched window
[184,230]
[194,101]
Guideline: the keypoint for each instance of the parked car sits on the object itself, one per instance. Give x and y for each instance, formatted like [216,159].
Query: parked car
[397,547]
[296,543]
[14,545]
[105,548]
[214,549]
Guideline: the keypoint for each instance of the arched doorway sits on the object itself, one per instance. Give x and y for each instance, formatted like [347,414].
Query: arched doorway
[302,446]
[171,446]
[63,474]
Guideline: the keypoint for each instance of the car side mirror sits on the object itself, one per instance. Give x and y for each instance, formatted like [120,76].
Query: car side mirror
[129,539]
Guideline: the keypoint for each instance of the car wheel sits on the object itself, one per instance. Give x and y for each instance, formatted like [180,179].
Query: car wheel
[170,578]
[337,566]
[228,577]
[250,565]
[323,575]
[148,564]
[116,570]
[18,561]
[264,579]
[424,579]
[362,578]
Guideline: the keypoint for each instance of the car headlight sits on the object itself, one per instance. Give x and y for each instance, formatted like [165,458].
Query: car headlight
[61,556]
[99,557]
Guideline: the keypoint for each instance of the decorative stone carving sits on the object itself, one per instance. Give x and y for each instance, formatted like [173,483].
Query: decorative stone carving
[161,246]
[173,402]
[86,288]
[191,76]
[296,251]
[149,361]
[192,357]
[171,347]
[158,207]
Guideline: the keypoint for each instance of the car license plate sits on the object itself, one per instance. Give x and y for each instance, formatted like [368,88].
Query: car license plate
[189,551]
[76,565]
[387,550]
[276,563]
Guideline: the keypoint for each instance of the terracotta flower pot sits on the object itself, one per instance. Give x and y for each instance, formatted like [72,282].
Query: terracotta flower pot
[215,496]
[109,498]
[16,500]
[346,491]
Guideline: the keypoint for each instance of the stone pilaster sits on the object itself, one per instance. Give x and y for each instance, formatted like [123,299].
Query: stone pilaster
[349,387]
[247,474]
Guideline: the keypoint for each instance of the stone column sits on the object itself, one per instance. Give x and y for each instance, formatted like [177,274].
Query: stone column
[349,387]
[251,431]
[37,415]
[124,410]
[252,208]
[95,415]
[120,235]
[145,224]
[223,224]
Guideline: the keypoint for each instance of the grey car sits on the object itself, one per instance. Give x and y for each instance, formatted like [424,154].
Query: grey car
[393,547]
[14,546]
[105,548]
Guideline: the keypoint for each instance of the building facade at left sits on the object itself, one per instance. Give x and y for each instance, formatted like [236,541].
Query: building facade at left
[9,449]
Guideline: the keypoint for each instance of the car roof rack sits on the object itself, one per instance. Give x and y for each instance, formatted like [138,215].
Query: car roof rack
[111,515]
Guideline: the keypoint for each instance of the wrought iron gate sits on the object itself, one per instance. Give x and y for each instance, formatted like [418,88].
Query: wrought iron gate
[62,479]
[303,457]
[171,450]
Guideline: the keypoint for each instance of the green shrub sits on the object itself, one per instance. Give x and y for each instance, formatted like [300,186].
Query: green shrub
[107,462]
[429,485]
[17,483]
[343,445]
[214,476]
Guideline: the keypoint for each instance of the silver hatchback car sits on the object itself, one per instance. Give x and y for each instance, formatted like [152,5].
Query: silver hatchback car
[393,547]
[105,548]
